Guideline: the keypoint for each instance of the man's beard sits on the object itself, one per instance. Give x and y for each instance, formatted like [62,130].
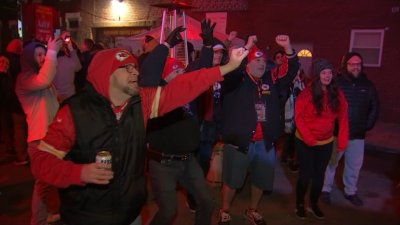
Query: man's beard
[130,91]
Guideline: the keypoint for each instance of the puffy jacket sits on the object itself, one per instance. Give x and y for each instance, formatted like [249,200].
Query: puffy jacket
[363,103]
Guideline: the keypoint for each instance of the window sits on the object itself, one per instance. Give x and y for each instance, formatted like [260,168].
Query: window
[369,44]
[304,53]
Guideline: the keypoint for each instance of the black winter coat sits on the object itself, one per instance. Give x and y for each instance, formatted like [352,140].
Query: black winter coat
[363,103]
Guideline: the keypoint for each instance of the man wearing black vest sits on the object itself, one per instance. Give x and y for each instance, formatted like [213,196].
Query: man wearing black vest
[111,116]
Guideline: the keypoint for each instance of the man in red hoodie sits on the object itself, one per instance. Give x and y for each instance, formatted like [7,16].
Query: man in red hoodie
[110,116]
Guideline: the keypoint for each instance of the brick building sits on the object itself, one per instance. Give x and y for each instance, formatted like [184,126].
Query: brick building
[327,29]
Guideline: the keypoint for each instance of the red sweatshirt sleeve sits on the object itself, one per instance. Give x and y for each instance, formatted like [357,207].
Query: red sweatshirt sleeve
[303,101]
[343,120]
[47,157]
[179,91]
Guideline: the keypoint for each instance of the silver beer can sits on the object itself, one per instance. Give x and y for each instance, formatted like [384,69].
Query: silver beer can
[104,157]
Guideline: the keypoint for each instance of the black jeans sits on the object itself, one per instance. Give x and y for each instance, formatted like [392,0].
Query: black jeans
[313,161]
[164,178]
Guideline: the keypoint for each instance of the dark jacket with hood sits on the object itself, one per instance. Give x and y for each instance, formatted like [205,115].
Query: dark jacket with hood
[178,131]
[362,99]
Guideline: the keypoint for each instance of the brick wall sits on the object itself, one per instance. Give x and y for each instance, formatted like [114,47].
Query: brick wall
[328,24]
[325,24]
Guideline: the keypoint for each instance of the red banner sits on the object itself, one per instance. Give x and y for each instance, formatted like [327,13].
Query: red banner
[43,22]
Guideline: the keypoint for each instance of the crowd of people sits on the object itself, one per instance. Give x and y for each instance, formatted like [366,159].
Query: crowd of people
[158,118]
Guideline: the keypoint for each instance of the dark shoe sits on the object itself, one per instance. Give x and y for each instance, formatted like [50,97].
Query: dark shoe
[314,209]
[325,197]
[224,218]
[354,199]
[254,217]
[300,212]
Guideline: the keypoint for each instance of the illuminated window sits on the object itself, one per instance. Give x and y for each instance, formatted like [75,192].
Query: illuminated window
[304,53]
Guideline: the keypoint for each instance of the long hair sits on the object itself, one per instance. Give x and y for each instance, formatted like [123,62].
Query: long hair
[318,94]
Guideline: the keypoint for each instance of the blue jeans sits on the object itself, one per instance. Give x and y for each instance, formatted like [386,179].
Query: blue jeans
[353,160]
[164,178]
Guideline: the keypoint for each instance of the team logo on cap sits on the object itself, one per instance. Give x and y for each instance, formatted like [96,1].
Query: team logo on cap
[265,87]
[258,54]
[121,56]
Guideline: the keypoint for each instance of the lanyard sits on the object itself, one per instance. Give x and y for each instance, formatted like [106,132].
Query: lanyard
[258,83]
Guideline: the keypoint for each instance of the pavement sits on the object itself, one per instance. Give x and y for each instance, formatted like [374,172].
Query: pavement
[384,137]
[379,187]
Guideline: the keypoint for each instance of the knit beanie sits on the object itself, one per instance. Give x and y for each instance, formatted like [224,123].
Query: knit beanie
[104,63]
[170,65]
[321,64]
[254,53]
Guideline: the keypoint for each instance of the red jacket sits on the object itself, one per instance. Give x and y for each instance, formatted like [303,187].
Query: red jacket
[61,134]
[316,129]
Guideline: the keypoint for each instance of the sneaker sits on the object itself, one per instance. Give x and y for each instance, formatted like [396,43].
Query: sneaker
[224,218]
[254,217]
[325,197]
[314,209]
[354,199]
[300,212]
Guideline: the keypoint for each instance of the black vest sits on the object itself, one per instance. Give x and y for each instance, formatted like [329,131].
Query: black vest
[174,133]
[97,129]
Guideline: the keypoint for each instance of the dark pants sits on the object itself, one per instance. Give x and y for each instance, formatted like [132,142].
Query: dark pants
[20,136]
[208,138]
[288,150]
[164,178]
[313,161]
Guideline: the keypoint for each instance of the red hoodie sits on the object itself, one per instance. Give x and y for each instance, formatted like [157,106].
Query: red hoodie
[316,129]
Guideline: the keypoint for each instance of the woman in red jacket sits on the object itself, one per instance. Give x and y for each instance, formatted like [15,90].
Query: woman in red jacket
[316,110]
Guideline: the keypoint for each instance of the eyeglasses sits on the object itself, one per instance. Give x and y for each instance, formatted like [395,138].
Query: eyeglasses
[129,67]
[354,64]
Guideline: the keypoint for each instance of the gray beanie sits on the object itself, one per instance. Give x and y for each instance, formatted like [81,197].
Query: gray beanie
[321,64]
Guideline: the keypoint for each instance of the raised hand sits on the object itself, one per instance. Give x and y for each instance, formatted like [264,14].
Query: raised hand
[251,41]
[175,37]
[284,41]
[235,59]
[237,55]
[54,44]
[207,32]
[95,173]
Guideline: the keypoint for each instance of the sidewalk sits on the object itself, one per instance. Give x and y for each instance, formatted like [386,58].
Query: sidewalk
[384,137]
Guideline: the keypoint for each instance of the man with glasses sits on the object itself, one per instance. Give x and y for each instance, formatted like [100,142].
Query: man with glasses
[363,109]
[111,115]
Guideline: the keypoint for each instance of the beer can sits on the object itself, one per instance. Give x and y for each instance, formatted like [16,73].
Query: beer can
[105,158]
